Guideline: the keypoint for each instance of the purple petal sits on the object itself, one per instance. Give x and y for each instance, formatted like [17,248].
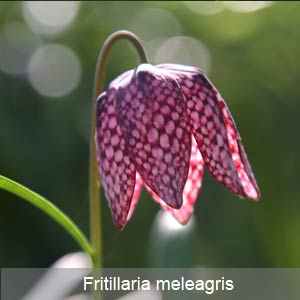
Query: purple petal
[191,188]
[215,132]
[154,121]
[116,171]
[122,80]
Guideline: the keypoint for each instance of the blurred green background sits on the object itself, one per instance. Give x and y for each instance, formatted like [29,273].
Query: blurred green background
[250,51]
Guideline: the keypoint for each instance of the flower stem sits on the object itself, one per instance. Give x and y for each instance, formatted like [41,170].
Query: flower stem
[95,210]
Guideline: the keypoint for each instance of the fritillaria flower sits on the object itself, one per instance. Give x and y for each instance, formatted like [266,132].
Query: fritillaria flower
[158,126]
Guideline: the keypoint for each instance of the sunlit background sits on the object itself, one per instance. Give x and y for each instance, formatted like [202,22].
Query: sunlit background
[249,49]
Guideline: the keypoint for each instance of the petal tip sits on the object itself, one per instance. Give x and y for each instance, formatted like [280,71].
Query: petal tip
[119,224]
[257,197]
[253,195]
[176,202]
[252,192]
[183,221]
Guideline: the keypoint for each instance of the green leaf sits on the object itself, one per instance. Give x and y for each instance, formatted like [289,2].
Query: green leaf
[49,209]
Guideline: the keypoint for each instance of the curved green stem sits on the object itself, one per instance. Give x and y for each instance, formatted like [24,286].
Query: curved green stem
[48,208]
[93,172]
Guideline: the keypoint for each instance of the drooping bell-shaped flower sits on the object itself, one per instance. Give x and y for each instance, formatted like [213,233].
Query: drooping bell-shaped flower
[158,126]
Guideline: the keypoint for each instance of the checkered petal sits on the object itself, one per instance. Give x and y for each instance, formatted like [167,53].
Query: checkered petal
[191,188]
[215,132]
[116,170]
[154,121]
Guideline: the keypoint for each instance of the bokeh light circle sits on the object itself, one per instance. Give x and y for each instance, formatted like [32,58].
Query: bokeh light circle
[153,23]
[246,6]
[54,70]
[184,50]
[49,17]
